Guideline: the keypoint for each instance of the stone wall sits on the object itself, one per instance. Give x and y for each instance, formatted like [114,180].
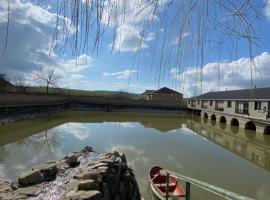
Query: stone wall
[80,175]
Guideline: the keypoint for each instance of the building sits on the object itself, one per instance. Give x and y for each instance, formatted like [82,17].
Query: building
[163,94]
[247,108]
[5,86]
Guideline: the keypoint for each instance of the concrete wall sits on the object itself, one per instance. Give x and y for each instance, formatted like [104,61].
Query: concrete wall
[13,99]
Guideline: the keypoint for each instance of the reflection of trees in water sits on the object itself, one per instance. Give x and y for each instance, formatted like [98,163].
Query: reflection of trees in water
[3,153]
[43,142]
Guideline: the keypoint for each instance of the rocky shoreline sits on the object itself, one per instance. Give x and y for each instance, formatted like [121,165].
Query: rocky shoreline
[79,176]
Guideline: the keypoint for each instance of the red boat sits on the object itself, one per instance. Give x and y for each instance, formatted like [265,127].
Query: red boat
[158,184]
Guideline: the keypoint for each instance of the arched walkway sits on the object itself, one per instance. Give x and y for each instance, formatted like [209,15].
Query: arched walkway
[222,119]
[266,130]
[250,126]
[205,116]
[235,122]
[213,117]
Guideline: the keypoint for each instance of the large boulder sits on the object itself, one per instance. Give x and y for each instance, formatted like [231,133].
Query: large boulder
[87,185]
[49,170]
[72,160]
[86,195]
[29,191]
[30,178]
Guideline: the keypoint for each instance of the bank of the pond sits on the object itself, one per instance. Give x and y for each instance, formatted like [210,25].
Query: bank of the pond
[11,113]
[79,175]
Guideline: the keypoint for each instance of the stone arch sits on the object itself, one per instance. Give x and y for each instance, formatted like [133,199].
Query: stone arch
[205,115]
[250,126]
[234,122]
[266,130]
[213,117]
[222,119]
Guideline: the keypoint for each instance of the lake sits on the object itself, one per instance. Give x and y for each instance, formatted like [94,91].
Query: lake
[213,152]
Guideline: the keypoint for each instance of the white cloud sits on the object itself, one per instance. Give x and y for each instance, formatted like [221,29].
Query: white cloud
[122,74]
[233,75]
[132,14]
[75,65]
[29,41]
[267,10]
[77,76]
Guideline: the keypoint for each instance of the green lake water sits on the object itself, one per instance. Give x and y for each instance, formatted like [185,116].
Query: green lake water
[216,153]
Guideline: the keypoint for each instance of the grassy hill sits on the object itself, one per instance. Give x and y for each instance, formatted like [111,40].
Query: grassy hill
[75,92]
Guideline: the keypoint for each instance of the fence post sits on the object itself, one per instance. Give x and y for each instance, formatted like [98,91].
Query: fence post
[167,186]
[187,190]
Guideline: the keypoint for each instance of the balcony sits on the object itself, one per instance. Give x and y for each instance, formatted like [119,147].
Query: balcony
[241,111]
[219,109]
[204,107]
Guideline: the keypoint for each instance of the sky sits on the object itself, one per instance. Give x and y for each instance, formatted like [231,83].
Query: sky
[118,65]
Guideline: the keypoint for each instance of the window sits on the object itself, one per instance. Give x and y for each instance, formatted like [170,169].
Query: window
[211,103]
[257,105]
[198,101]
[229,104]
[188,101]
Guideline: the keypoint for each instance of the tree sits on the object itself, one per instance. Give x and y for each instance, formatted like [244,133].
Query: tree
[4,76]
[47,77]
[20,84]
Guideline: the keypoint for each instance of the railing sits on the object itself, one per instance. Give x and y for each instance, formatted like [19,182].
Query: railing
[205,186]
[219,109]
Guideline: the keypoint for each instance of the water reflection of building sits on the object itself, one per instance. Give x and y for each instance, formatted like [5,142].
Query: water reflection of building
[256,150]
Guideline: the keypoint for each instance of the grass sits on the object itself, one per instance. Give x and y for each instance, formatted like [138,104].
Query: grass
[75,92]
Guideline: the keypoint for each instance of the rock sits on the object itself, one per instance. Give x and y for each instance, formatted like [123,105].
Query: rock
[117,197]
[72,160]
[49,170]
[97,165]
[72,185]
[87,149]
[87,185]
[92,174]
[106,192]
[5,187]
[29,191]
[86,195]
[123,157]
[109,162]
[103,171]
[6,196]
[30,178]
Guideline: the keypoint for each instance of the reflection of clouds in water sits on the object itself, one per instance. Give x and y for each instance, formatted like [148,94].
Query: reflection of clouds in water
[184,125]
[187,131]
[263,193]
[173,131]
[127,124]
[172,160]
[135,155]
[79,131]
[123,124]
[2,174]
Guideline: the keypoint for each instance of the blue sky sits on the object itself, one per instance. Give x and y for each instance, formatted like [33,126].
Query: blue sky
[31,30]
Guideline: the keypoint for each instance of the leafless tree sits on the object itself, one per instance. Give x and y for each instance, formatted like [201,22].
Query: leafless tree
[20,84]
[47,77]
